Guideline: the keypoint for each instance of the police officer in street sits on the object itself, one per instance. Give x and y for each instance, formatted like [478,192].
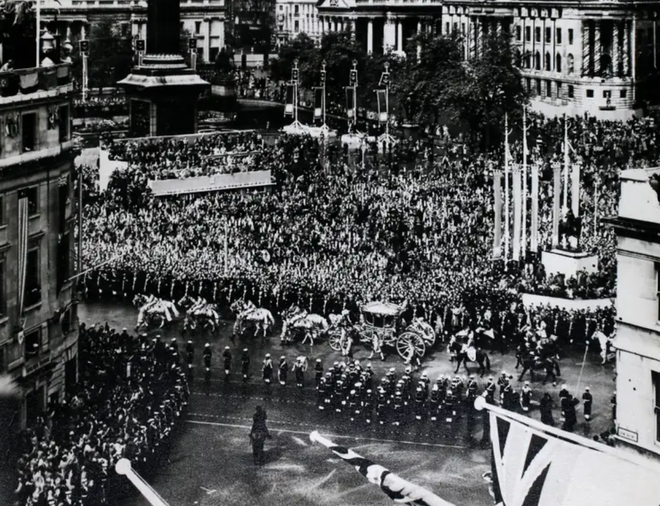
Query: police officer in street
[226,355]
[587,401]
[299,369]
[526,397]
[245,365]
[489,391]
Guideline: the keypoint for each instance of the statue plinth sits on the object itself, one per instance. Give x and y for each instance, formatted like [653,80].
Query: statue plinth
[162,94]
[568,263]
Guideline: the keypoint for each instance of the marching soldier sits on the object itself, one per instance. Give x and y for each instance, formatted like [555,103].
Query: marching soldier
[245,365]
[397,408]
[420,400]
[174,346]
[282,370]
[322,393]
[338,396]
[367,377]
[318,371]
[526,397]
[267,370]
[449,404]
[507,399]
[434,402]
[353,404]
[226,355]
[381,405]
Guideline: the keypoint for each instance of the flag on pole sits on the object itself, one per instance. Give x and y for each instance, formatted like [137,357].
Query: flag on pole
[23,212]
[318,102]
[288,104]
[350,101]
[537,465]
[396,488]
[381,95]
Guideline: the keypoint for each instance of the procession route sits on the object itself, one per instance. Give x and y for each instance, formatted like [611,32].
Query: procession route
[331,436]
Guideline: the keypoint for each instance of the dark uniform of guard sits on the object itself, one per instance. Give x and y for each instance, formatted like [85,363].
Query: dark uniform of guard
[490,391]
[207,361]
[267,370]
[587,401]
[190,353]
[434,403]
[322,393]
[368,405]
[299,367]
[472,392]
[397,408]
[420,401]
[318,371]
[381,405]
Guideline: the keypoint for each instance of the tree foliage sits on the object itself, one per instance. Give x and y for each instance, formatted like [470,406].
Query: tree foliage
[17,32]
[110,54]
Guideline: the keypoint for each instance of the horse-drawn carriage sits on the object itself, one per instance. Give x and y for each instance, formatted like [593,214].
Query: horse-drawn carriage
[381,324]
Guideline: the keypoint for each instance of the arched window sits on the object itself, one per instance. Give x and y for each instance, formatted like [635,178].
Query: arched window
[547,61]
[537,61]
[518,62]
[570,62]
[528,60]
[558,63]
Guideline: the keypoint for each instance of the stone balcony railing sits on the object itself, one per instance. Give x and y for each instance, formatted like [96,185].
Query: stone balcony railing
[23,84]
[126,4]
[399,2]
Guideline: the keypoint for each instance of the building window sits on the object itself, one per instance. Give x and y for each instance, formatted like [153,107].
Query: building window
[3,367]
[590,93]
[29,130]
[537,61]
[571,91]
[622,94]
[527,61]
[571,63]
[296,26]
[296,10]
[455,27]
[32,278]
[518,32]
[528,33]
[64,259]
[446,28]
[548,89]
[32,196]
[558,36]
[64,123]
[558,90]
[528,85]
[547,61]
[537,34]
[538,87]
[281,7]
[32,343]
[198,27]
[558,63]
[2,211]
[548,34]
[570,36]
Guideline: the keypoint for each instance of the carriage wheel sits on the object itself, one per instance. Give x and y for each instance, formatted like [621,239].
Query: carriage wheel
[334,339]
[410,341]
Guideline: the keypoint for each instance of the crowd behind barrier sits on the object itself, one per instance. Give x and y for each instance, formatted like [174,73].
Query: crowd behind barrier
[128,401]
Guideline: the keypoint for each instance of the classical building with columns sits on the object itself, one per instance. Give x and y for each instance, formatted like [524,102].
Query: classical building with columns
[294,17]
[599,57]
[204,19]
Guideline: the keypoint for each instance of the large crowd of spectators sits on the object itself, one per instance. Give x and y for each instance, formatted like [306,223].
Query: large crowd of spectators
[129,398]
[336,231]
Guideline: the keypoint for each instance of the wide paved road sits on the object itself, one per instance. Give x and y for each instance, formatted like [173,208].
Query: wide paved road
[211,462]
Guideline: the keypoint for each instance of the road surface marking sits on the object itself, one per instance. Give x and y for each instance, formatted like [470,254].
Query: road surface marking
[299,441]
[207,490]
[289,431]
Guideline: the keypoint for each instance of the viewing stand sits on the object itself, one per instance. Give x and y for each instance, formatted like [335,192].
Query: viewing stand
[568,263]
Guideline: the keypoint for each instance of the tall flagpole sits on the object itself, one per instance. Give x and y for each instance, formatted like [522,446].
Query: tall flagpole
[566,163]
[506,187]
[523,244]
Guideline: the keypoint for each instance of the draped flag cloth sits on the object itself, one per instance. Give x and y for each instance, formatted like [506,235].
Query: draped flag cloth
[537,465]
[318,103]
[381,95]
[288,104]
[396,488]
[350,101]
[22,251]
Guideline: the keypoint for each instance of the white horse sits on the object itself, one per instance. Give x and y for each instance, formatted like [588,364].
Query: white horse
[295,320]
[247,312]
[154,311]
[605,346]
[200,314]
